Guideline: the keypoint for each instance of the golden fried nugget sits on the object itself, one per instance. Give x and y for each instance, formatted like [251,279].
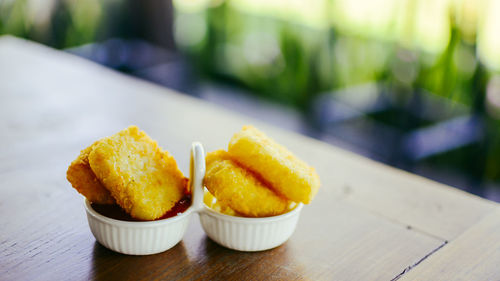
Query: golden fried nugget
[239,189]
[84,180]
[217,155]
[288,175]
[144,180]
[216,205]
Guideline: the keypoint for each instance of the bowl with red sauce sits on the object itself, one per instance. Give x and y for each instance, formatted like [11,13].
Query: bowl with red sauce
[116,230]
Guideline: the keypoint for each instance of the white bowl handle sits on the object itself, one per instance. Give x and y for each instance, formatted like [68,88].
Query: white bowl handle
[196,175]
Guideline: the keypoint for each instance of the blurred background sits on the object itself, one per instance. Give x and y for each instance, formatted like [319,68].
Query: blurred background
[411,83]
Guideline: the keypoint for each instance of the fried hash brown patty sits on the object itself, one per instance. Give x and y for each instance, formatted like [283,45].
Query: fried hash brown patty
[240,189]
[288,175]
[82,179]
[144,179]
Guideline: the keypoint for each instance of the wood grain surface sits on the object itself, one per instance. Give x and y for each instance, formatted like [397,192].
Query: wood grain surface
[474,255]
[368,222]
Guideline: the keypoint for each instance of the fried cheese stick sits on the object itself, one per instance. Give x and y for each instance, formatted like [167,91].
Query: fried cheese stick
[83,179]
[287,175]
[239,189]
[144,179]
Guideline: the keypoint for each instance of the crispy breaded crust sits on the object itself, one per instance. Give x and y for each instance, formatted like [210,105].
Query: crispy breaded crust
[288,175]
[216,205]
[144,179]
[239,189]
[217,155]
[84,180]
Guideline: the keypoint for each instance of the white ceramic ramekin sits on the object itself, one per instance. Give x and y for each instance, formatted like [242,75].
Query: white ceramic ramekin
[137,237]
[147,237]
[238,233]
[249,234]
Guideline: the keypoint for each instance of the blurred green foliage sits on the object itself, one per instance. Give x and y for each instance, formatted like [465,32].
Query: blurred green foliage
[59,24]
[296,51]
[411,50]
[291,59]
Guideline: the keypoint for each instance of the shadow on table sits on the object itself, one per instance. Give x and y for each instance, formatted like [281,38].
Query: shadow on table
[208,261]
[109,265]
[217,262]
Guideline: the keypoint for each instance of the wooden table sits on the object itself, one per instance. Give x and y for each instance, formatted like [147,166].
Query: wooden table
[368,222]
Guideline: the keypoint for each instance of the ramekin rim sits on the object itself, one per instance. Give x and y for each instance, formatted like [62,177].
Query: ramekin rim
[136,224]
[249,220]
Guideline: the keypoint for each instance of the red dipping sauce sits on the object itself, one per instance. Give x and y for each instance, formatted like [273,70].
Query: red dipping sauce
[116,212]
